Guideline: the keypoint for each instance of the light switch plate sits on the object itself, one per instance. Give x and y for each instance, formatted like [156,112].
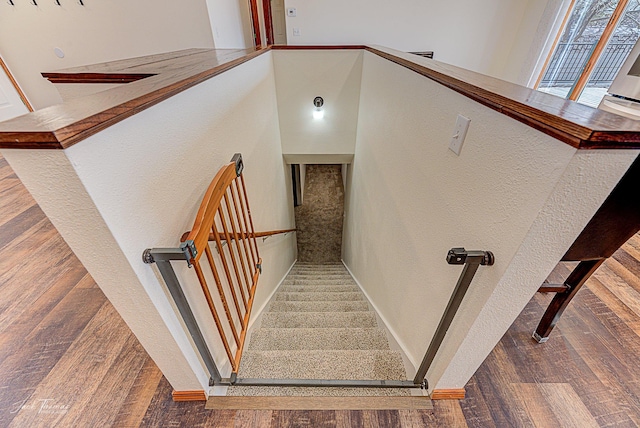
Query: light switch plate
[296,31]
[459,134]
[291,12]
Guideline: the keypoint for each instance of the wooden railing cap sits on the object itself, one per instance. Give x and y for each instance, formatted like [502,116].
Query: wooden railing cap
[155,78]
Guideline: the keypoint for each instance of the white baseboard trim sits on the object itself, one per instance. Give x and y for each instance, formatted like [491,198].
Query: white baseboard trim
[399,342]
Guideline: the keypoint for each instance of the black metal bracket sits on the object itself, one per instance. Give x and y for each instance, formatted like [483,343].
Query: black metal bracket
[259,267]
[458,256]
[237,159]
[189,250]
[162,257]
[471,261]
[186,252]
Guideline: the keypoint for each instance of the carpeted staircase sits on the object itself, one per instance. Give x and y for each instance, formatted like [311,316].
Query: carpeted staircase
[319,326]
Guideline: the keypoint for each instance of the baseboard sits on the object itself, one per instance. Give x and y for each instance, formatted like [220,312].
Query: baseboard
[384,320]
[256,313]
[448,394]
[197,395]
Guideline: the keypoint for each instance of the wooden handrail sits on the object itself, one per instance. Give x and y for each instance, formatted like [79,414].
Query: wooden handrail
[244,236]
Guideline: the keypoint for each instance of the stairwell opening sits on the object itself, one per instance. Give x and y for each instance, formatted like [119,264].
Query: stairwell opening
[320,213]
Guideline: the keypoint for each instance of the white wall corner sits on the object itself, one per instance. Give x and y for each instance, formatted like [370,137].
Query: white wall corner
[52,180]
[586,182]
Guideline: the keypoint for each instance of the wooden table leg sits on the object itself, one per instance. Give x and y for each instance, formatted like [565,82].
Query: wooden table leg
[574,282]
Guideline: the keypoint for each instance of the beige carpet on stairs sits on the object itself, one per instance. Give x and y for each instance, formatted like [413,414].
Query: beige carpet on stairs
[319,326]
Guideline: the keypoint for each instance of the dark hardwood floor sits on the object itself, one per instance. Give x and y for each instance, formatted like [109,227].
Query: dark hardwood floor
[68,360]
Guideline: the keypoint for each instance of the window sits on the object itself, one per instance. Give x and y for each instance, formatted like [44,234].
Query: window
[594,43]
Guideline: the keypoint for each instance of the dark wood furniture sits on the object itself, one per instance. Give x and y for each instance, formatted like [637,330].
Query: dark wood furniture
[617,220]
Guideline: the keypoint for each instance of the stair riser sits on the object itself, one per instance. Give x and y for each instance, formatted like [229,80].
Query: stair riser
[271,391]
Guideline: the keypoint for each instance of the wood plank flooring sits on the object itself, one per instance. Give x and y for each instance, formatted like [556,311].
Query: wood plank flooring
[68,360]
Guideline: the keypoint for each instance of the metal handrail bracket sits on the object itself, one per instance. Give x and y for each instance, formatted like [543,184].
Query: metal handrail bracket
[471,261]
[162,257]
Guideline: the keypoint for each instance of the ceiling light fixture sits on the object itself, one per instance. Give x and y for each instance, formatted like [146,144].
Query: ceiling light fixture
[318,111]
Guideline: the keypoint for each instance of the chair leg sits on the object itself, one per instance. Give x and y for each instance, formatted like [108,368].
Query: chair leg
[574,282]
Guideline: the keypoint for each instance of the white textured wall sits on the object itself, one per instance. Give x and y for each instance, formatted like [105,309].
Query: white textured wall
[97,32]
[410,199]
[230,23]
[477,35]
[536,33]
[138,184]
[302,75]
[586,182]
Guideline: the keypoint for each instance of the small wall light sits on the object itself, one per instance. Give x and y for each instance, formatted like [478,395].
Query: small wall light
[318,112]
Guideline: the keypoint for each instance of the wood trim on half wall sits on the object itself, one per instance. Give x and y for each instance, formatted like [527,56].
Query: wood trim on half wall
[448,394]
[196,395]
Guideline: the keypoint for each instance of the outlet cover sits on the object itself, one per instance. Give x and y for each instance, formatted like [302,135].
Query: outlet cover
[296,31]
[291,12]
[459,134]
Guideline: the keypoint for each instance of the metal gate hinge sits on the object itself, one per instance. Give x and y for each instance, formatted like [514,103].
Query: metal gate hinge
[237,159]
[189,250]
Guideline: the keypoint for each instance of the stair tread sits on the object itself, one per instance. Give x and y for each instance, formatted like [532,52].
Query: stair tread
[322,275]
[310,306]
[323,364]
[320,282]
[318,338]
[317,288]
[320,296]
[319,319]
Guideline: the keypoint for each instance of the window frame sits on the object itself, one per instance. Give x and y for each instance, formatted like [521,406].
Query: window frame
[583,79]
